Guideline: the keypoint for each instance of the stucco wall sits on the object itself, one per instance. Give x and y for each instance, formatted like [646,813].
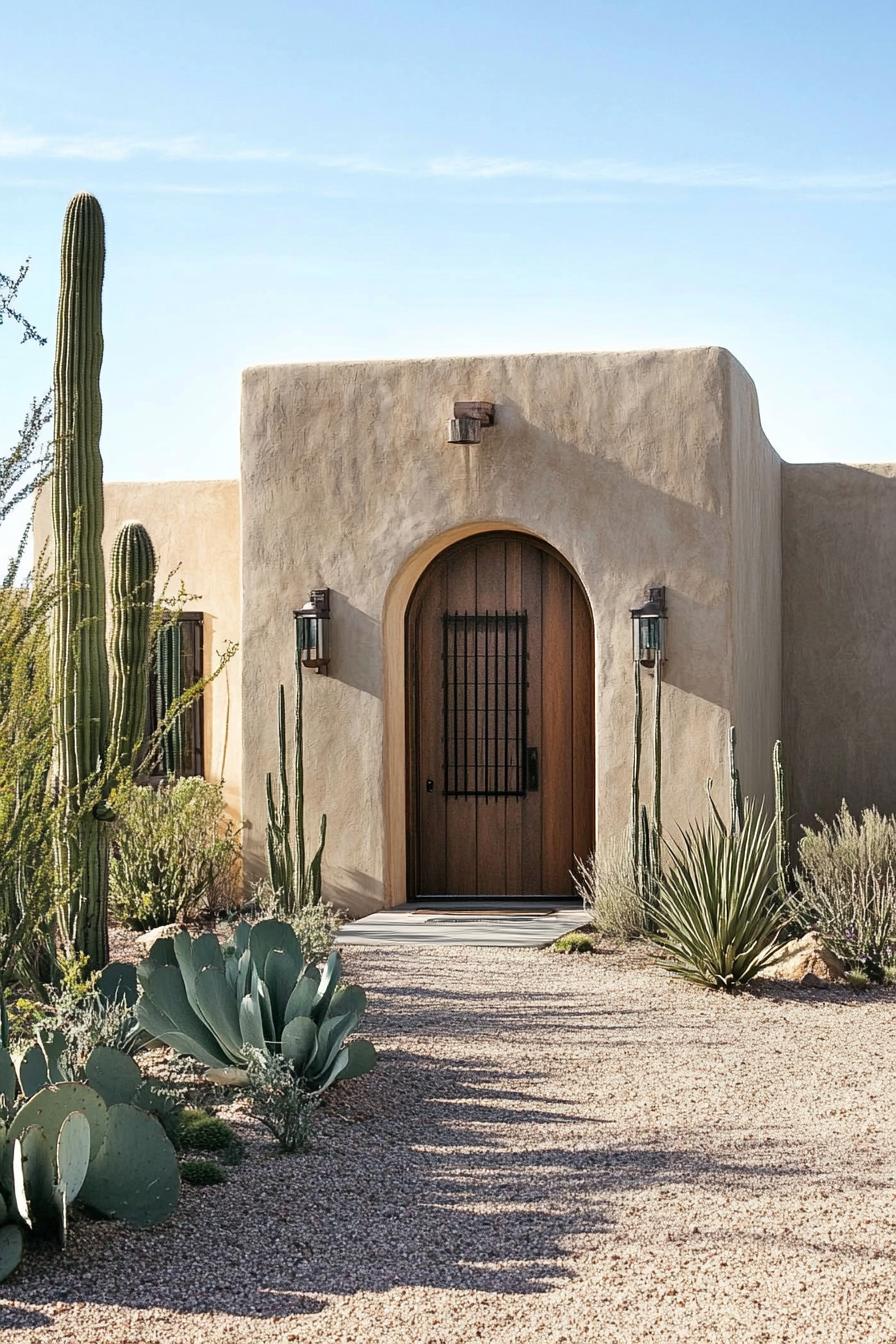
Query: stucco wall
[839,527]
[755,587]
[195,528]
[620,461]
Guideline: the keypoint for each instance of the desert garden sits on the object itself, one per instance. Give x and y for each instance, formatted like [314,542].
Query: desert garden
[212,1125]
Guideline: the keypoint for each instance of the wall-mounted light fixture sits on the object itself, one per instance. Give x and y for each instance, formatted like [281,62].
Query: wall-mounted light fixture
[470,418]
[649,629]
[313,630]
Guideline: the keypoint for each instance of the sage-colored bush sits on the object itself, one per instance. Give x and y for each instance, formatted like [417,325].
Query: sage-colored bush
[846,888]
[175,852]
[605,883]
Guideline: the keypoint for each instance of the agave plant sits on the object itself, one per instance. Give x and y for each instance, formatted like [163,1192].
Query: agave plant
[89,1140]
[256,995]
[716,911]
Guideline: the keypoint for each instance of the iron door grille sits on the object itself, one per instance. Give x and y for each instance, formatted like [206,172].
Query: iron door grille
[484,664]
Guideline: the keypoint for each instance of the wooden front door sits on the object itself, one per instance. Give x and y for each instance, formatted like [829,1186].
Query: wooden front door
[500,661]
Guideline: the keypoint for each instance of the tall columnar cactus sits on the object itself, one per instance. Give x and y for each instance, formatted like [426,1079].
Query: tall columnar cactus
[636,779]
[132,588]
[657,834]
[80,664]
[782,822]
[737,798]
[645,832]
[293,884]
[85,764]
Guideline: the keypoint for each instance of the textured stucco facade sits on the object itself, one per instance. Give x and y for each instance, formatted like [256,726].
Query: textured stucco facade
[641,468]
[630,465]
[840,649]
[195,529]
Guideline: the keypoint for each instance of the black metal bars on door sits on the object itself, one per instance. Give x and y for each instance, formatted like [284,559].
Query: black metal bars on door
[484,661]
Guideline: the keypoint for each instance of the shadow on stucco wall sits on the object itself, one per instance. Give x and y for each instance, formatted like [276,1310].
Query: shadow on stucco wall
[839,532]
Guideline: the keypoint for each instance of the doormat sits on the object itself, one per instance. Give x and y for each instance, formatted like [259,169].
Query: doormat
[477,919]
[470,915]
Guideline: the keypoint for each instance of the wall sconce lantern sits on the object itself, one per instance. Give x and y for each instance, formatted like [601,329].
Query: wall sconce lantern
[313,630]
[649,629]
[470,418]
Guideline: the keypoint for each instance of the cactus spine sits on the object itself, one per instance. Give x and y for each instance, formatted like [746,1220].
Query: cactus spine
[81,674]
[132,586]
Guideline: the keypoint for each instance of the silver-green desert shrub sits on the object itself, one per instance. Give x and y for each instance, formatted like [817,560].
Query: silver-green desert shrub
[175,851]
[846,888]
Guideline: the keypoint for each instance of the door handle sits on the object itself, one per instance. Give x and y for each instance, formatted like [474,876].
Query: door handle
[531,769]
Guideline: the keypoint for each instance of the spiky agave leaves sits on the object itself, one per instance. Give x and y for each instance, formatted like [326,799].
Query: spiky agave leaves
[256,995]
[716,913]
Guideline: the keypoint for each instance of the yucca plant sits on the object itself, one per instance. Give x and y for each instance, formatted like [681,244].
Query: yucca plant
[716,911]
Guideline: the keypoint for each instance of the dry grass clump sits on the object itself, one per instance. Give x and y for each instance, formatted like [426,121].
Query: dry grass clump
[605,884]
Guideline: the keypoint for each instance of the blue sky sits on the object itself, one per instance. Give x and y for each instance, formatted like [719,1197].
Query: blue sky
[303,181]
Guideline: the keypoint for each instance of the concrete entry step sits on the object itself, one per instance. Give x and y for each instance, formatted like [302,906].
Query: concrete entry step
[461,924]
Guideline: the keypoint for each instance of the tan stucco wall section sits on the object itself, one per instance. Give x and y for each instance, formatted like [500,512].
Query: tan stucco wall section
[839,527]
[755,587]
[195,528]
[620,461]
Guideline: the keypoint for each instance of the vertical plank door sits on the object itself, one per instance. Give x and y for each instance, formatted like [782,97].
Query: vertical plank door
[500,654]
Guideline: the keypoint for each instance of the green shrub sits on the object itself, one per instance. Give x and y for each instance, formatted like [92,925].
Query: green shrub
[846,888]
[200,1131]
[175,852]
[716,912]
[606,886]
[315,923]
[91,1010]
[200,1171]
[574,942]
[889,975]
[278,1100]
[858,979]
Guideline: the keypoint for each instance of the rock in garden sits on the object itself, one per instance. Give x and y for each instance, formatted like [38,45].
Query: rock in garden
[807,961]
[151,936]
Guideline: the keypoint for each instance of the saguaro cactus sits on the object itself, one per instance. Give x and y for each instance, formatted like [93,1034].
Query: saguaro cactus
[80,664]
[132,588]
[86,761]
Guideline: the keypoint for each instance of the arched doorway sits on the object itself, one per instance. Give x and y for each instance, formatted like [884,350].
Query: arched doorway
[499,649]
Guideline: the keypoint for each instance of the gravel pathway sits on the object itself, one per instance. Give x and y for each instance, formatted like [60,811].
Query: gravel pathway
[554,1149]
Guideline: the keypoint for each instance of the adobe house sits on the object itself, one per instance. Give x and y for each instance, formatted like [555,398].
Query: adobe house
[596,476]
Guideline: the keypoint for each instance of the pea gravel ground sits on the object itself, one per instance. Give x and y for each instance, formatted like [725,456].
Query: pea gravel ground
[554,1149]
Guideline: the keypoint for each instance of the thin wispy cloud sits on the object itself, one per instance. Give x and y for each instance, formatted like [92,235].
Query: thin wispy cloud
[621,172]
[22,146]
[602,173]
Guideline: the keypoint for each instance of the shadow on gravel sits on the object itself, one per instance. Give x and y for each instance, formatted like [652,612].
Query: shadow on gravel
[443,1176]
